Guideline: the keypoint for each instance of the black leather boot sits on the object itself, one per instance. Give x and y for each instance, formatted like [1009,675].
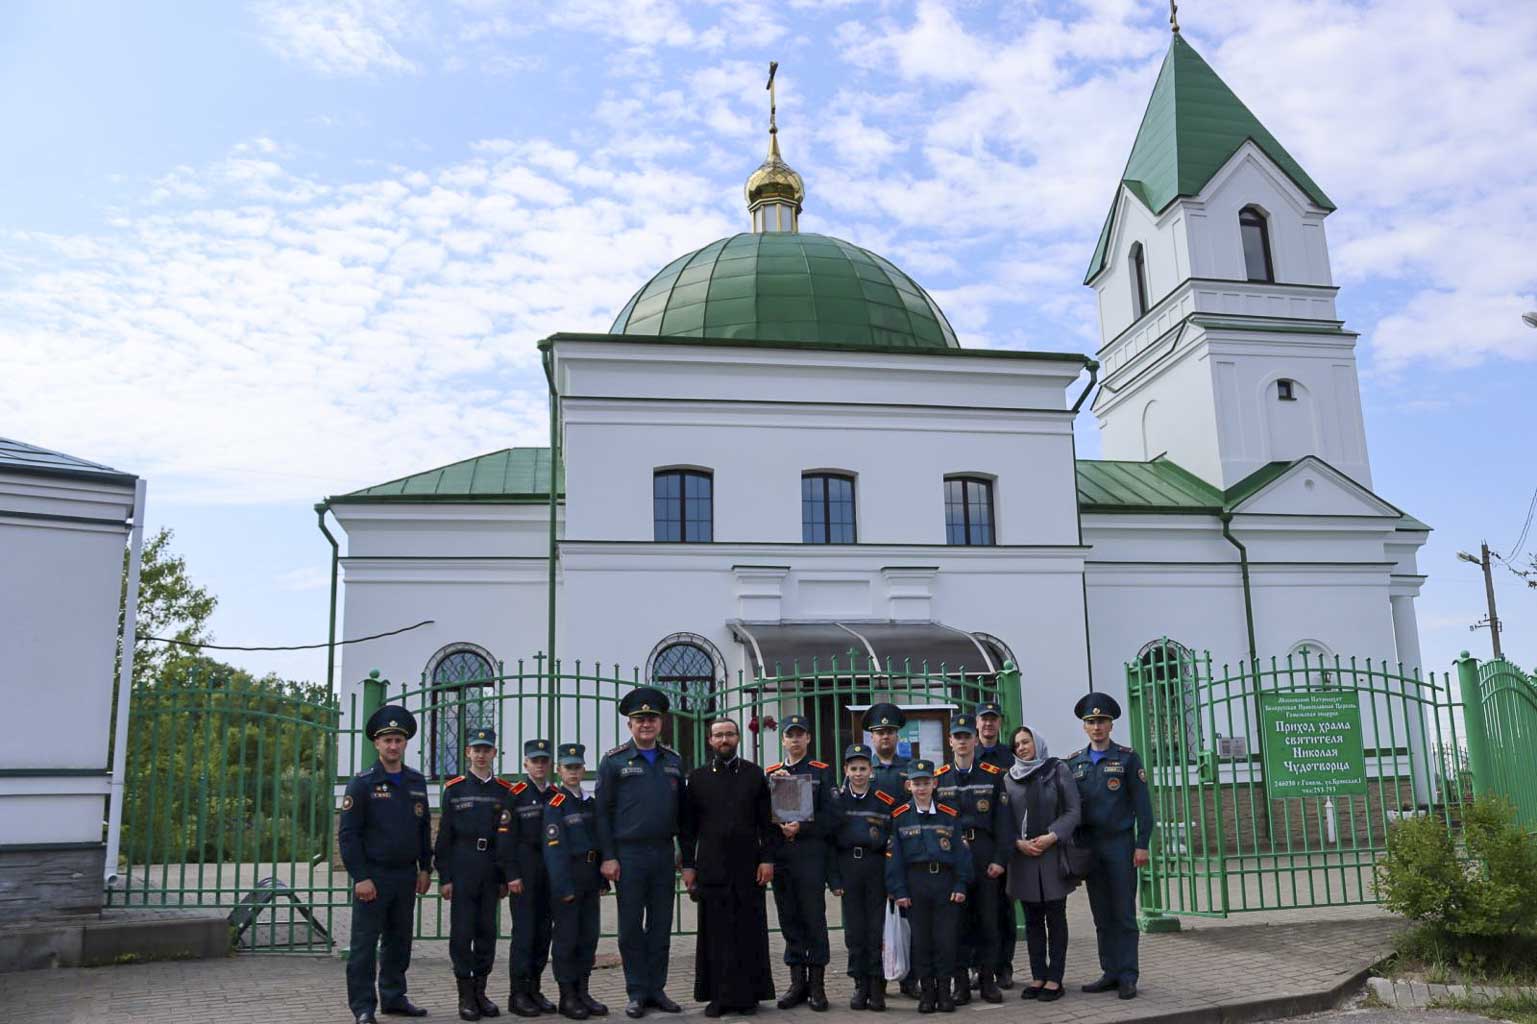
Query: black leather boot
[861,997]
[571,1004]
[926,995]
[816,996]
[798,990]
[487,1007]
[988,988]
[536,997]
[594,1007]
[877,994]
[469,1009]
[944,999]
[519,1002]
[909,987]
[962,986]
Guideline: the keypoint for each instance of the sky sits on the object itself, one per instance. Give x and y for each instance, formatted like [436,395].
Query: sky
[262,253]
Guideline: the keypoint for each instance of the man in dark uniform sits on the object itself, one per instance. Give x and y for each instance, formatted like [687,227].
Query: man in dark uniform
[888,774]
[860,823]
[522,859]
[993,749]
[928,869]
[575,878]
[640,788]
[469,877]
[975,789]
[385,840]
[800,873]
[1118,821]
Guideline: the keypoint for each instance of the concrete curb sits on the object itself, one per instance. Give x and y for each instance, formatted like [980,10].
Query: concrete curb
[1417,995]
[1263,1008]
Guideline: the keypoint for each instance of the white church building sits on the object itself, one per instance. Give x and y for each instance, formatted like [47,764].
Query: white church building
[781,450]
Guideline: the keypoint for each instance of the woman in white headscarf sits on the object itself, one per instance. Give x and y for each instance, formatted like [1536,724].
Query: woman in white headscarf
[1046,810]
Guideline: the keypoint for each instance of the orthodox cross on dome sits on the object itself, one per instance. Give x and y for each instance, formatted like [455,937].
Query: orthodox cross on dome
[1173,22]
[774,191]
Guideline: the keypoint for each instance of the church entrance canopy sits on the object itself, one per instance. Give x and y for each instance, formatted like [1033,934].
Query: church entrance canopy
[794,648]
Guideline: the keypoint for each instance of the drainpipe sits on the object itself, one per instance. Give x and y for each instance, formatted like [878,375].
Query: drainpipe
[1083,579]
[320,513]
[124,689]
[1248,597]
[1092,365]
[547,352]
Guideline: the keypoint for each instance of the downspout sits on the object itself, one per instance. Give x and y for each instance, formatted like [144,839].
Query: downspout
[124,689]
[1092,365]
[1248,597]
[547,353]
[320,512]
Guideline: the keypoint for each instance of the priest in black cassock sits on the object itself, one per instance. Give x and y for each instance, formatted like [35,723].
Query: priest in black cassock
[728,838]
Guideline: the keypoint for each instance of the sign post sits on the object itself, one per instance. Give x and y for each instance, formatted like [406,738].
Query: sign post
[1312,743]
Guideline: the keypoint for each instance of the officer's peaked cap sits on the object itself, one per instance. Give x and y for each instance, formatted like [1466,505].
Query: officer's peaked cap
[858,750]
[961,725]
[920,769]
[795,722]
[481,738]
[989,707]
[536,748]
[884,716]
[644,700]
[390,718]
[1097,705]
[572,753]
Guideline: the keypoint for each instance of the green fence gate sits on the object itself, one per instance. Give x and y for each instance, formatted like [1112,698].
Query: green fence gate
[233,787]
[1501,709]
[1274,784]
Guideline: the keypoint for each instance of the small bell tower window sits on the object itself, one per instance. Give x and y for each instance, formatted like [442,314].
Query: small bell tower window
[1138,281]
[1256,244]
[1286,390]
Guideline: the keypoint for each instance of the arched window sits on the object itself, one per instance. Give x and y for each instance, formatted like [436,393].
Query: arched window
[1173,716]
[1256,244]
[688,668]
[969,511]
[1310,664]
[462,677]
[683,505]
[996,650]
[827,509]
[1139,302]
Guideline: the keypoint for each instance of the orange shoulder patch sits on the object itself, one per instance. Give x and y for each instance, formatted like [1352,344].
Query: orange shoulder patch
[949,810]
[942,769]
[505,784]
[901,810]
[885,797]
[819,765]
[991,769]
[775,766]
[450,782]
[557,799]
[518,787]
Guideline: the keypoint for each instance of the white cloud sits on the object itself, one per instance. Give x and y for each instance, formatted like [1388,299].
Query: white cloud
[340,37]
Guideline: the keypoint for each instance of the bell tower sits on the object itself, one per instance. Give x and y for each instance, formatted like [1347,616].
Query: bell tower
[1221,347]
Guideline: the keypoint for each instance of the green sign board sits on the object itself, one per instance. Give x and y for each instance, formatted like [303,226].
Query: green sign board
[1312,743]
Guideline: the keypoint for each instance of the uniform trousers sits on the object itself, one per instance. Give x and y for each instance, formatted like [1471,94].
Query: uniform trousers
[934,920]
[800,875]
[531,918]
[1008,933]
[864,909]
[381,941]
[645,895]
[576,934]
[472,913]
[1112,886]
[979,914]
[1046,934]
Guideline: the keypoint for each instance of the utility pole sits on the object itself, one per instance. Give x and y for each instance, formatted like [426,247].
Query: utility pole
[1493,621]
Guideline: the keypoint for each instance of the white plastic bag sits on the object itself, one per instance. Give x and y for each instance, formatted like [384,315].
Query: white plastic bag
[895,937]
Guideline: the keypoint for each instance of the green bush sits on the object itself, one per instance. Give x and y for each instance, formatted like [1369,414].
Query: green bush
[1476,900]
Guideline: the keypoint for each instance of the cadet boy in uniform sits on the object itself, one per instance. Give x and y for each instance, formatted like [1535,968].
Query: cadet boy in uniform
[469,876]
[800,873]
[860,823]
[888,774]
[1118,820]
[639,794]
[991,749]
[385,838]
[571,856]
[928,869]
[975,789]
[522,859]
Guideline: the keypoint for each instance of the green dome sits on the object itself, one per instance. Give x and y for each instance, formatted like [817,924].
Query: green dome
[779,286]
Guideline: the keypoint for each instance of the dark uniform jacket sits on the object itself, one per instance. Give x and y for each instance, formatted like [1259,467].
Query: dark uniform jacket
[920,839]
[862,822]
[816,830]
[1000,755]
[385,825]
[1114,792]
[571,844]
[637,800]
[978,794]
[890,779]
[469,824]
[520,836]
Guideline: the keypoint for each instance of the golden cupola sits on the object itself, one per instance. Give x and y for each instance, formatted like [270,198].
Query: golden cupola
[775,192]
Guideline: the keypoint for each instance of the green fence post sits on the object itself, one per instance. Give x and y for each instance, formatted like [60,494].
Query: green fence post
[373,697]
[1150,917]
[1009,698]
[1475,728]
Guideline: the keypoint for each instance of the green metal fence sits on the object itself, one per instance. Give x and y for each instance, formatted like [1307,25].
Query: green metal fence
[1501,709]
[1274,784]
[233,787]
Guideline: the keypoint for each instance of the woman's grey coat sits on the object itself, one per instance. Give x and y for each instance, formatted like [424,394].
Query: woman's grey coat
[1038,879]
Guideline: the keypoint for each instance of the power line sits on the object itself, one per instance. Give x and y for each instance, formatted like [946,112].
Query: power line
[289,647]
[1515,549]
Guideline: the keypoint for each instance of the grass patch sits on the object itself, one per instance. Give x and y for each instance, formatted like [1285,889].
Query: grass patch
[1521,1009]
[1428,954]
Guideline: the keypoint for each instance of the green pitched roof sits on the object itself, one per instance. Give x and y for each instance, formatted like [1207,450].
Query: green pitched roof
[1156,486]
[512,474]
[1193,125]
[784,287]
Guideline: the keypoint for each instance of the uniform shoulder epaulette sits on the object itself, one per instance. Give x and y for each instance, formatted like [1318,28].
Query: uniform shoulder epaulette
[819,765]
[885,797]
[505,784]
[663,746]
[991,769]
[450,782]
[1076,753]
[949,810]
[615,750]
[518,787]
[901,810]
[775,766]
[941,770]
[1124,749]
[557,799]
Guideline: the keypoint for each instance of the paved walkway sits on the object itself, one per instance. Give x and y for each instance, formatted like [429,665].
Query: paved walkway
[1251,967]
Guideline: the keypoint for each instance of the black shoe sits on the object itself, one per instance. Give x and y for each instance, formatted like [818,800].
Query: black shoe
[974,981]
[404,1008]
[945,1000]
[1032,991]
[571,1005]
[798,991]
[666,1005]
[518,1001]
[989,988]
[1004,977]
[816,996]
[469,1009]
[861,997]
[1104,984]
[876,990]
[1127,988]
[962,987]
[487,1007]
[635,1009]
[926,1000]
[714,1008]
[594,1007]
[542,1004]
[366,1017]
[1051,995]
[910,988]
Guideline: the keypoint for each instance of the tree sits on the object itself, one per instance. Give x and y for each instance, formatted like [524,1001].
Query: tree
[170,606]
